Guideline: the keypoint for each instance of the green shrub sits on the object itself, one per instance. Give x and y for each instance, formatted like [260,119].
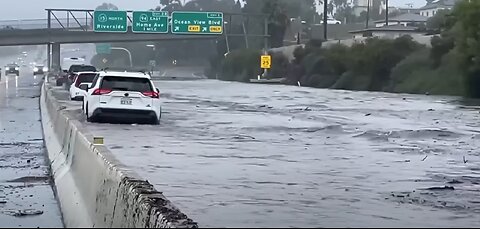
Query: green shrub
[440,47]
[336,59]
[352,81]
[279,65]
[416,74]
[401,74]
[241,65]
[299,54]
[215,66]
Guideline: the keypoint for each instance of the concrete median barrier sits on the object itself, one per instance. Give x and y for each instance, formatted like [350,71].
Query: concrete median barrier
[93,188]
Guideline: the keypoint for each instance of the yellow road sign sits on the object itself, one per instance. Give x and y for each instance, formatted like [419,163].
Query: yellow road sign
[193,28]
[98,141]
[215,29]
[266,62]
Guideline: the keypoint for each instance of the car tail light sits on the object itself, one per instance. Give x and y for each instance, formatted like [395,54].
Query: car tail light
[101,91]
[151,94]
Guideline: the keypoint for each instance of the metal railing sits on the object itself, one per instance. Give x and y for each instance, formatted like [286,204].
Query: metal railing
[37,24]
[70,19]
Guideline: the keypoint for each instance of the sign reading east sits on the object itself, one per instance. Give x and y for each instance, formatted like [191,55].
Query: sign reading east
[150,22]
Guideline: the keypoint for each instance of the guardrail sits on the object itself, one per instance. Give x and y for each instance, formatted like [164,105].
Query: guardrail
[76,18]
[66,23]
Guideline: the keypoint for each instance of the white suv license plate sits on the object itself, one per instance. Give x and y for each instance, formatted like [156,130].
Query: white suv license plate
[126,101]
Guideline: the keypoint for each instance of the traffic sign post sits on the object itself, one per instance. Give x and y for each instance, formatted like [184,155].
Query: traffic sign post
[266,61]
[209,23]
[150,22]
[110,21]
[265,64]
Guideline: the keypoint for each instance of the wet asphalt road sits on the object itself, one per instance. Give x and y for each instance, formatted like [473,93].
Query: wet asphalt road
[26,195]
[241,155]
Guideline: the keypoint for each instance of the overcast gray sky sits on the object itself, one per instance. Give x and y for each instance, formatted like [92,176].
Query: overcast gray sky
[34,9]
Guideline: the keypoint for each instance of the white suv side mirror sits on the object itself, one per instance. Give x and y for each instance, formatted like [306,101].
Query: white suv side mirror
[84,87]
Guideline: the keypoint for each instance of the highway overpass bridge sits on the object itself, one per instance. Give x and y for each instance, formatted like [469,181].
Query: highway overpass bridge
[76,27]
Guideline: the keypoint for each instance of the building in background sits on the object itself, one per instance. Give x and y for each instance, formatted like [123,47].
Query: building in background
[408,19]
[388,32]
[432,7]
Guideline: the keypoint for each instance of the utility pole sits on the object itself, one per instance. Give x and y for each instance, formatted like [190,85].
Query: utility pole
[325,19]
[368,14]
[386,12]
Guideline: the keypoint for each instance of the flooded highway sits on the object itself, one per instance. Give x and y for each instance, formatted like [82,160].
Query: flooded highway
[242,155]
[26,195]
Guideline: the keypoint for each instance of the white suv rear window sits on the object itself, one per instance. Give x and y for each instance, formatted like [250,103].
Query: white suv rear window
[116,83]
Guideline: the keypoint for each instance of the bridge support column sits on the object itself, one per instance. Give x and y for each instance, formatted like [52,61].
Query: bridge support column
[49,57]
[56,57]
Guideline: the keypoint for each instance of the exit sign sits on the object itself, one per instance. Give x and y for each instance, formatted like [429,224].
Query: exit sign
[209,23]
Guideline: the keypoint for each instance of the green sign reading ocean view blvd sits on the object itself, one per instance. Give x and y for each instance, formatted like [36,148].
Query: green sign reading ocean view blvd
[197,23]
[110,21]
[150,22]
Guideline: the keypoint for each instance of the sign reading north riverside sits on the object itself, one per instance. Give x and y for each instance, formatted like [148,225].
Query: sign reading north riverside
[150,22]
[197,23]
[110,21]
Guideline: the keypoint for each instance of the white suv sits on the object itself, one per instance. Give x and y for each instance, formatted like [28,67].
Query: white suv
[76,93]
[122,95]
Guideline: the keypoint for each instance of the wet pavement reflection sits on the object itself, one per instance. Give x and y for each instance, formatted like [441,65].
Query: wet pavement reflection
[26,195]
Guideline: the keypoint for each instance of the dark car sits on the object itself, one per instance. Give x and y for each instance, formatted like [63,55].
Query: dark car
[12,69]
[60,78]
[80,68]
[68,76]
[40,70]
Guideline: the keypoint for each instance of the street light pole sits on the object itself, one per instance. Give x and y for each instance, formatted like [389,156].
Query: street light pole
[152,62]
[386,14]
[325,19]
[368,14]
[126,50]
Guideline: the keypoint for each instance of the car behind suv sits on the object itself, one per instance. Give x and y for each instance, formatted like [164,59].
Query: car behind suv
[122,95]
[76,93]
[67,76]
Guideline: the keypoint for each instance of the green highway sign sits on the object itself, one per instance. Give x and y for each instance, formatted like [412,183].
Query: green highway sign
[104,48]
[110,21]
[197,23]
[150,22]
